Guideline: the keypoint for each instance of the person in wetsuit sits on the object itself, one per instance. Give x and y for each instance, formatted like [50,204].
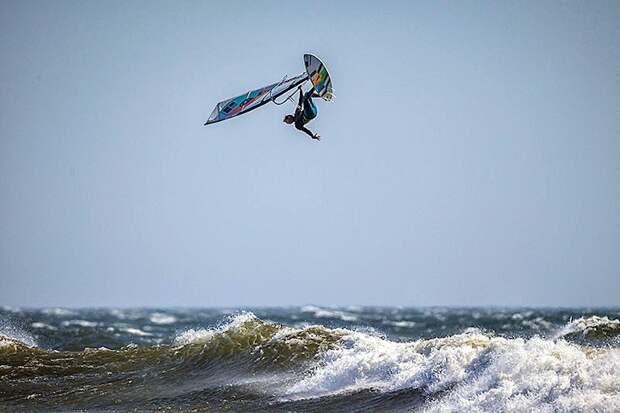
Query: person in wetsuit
[304,113]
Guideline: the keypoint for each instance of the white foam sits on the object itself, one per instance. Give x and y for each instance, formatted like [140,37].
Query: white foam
[291,334]
[43,325]
[538,375]
[194,336]
[118,313]
[319,312]
[161,318]
[137,332]
[479,373]
[203,335]
[58,312]
[10,334]
[587,325]
[81,323]
[364,361]
[400,323]
[537,323]
[521,316]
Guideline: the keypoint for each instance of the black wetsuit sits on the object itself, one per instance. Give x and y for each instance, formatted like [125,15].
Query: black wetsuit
[306,111]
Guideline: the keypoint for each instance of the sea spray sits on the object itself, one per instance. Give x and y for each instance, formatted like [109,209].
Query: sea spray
[10,332]
[310,359]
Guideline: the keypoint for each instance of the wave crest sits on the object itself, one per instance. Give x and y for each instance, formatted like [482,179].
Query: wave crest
[471,372]
[10,335]
[593,327]
[362,361]
[268,344]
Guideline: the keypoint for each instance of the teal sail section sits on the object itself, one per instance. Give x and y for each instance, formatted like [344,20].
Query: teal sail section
[253,99]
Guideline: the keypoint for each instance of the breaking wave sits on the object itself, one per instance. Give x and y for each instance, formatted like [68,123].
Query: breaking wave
[10,335]
[269,367]
[593,327]
[472,372]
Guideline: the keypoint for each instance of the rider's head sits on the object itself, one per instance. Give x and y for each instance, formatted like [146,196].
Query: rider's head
[289,119]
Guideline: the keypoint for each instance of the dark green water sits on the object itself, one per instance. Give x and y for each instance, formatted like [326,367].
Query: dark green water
[310,359]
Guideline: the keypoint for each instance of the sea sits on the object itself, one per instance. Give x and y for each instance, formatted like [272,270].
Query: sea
[310,359]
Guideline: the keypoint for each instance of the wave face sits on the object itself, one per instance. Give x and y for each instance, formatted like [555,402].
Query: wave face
[310,359]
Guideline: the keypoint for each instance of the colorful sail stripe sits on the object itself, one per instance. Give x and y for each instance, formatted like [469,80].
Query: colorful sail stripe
[253,99]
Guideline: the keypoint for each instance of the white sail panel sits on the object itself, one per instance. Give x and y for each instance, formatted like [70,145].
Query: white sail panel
[253,99]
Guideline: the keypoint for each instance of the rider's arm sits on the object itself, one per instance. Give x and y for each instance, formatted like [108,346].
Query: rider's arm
[308,131]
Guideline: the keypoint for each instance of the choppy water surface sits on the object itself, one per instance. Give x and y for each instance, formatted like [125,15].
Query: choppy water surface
[310,359]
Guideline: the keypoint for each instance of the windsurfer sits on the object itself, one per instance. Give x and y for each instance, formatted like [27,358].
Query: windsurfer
[304,113]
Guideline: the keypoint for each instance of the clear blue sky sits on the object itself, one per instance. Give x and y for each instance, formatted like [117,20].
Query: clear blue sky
[472,155]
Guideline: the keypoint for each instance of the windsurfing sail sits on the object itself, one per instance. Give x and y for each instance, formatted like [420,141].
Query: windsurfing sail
[318,75]
[253,99]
